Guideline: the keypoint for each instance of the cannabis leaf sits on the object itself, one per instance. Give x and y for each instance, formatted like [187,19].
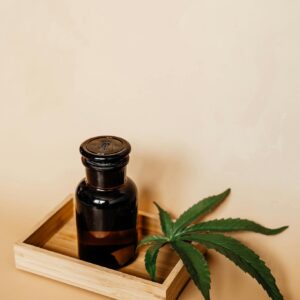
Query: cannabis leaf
[230,225]
[199,209]
[242,256]
[195,264]
[150,258]
[151,239]
[181,233]
[165,221]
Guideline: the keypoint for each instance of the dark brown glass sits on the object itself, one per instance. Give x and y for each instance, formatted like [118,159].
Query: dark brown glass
[106,216]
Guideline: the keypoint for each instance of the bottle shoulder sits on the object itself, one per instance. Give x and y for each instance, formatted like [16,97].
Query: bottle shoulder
[127,192]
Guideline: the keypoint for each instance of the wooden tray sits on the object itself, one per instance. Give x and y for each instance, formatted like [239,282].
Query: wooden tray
[50,250]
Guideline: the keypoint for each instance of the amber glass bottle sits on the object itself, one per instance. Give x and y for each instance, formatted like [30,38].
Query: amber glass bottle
[106,204]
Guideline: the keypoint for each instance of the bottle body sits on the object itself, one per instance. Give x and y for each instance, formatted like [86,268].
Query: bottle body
[106,223]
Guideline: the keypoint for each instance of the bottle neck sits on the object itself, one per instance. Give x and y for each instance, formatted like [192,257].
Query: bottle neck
[107,179]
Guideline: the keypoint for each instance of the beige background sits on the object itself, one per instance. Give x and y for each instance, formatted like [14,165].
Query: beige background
[207,92]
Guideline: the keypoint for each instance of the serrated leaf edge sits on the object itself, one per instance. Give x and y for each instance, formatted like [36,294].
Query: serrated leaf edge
[273,290]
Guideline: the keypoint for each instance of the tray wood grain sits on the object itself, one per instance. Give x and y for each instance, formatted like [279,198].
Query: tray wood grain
[50,250]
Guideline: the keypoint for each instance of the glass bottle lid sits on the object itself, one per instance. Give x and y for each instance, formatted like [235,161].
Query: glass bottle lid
[105,152]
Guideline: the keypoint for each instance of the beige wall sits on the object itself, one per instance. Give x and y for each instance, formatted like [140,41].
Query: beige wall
[207,92]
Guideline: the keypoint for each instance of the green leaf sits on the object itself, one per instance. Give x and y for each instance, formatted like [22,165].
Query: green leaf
[165,221]
[242,256]
[150,239]
[229,225]
[150,259]
[195,264]
[199,209]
